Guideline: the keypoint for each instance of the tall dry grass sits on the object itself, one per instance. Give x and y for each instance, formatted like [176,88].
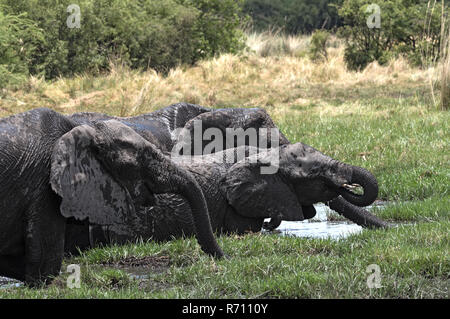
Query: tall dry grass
[273,43]
[272,80]
[445,58]
[445,79]
[437,59]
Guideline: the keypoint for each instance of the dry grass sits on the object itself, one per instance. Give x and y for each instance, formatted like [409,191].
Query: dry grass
[289,80]
[274,44]
[445,77]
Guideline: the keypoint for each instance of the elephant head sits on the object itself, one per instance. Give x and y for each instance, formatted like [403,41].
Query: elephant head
[305,176]
[99,170]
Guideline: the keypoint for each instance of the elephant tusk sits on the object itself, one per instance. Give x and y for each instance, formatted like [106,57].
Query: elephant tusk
[351,187]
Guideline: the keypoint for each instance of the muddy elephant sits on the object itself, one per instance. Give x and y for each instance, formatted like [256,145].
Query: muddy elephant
[239,196]
[166,217]
[54,169]
[89,178]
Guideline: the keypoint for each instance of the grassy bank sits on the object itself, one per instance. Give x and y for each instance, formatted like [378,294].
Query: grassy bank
[384,119]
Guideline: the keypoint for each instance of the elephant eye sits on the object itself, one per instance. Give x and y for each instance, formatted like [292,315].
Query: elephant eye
[314,170]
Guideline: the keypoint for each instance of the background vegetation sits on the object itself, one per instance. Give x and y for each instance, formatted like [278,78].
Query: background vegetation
[412,28]
[161,34]
[294,16]
[157,34]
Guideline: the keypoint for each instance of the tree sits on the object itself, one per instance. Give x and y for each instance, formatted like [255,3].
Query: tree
[408,27]
[293,16]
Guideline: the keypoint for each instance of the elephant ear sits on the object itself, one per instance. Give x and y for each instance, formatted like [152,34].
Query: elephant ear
[257,195]
[85,186]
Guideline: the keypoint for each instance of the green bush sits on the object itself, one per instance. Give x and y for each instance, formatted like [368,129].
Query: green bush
[158,34]
[218,26]
[318,45]
[408,27]
[18,39]
[293,16]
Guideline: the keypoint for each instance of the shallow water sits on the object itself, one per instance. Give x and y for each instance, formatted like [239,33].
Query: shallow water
[320,227]
[317,227]
[6,283]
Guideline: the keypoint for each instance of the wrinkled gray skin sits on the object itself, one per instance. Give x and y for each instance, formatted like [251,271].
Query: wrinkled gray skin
[321,181]
[68,174]
[238,196]
[55,170]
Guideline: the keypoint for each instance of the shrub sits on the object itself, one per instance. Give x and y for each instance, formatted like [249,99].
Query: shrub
[318,45]
[408,27]
[218,26]
[158,34]
[18,40]
[293,16]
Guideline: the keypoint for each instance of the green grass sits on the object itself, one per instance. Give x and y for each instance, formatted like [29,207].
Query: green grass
[408,152]
[392,130]
[413,259]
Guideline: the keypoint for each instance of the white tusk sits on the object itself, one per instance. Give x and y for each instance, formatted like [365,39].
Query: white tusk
[352,186]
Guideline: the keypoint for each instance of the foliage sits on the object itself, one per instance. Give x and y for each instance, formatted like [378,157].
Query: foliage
[293,16]
[318,45]
[408,27]
[18,39]
[218,26]
[158,34]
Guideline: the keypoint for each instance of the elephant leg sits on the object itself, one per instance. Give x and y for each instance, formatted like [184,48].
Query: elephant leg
[12,267]
[235,223]
[309,211]
[76,237]
[44,241]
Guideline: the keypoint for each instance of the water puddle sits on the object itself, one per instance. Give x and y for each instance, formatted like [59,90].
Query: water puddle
[6,283]
[326,224]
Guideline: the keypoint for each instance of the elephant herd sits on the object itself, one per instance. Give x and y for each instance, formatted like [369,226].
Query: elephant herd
[74,182]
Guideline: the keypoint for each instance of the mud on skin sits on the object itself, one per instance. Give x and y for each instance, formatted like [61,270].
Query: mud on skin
[69,172]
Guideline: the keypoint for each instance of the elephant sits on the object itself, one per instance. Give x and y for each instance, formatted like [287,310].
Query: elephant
[238,196]
[163,124]
[54,169]
[88,178]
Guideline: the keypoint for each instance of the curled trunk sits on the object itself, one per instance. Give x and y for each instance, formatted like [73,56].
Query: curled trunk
[367,181]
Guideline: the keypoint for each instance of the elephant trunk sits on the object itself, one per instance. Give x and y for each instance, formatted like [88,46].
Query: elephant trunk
[356,214]
[205,237]
[367,181]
